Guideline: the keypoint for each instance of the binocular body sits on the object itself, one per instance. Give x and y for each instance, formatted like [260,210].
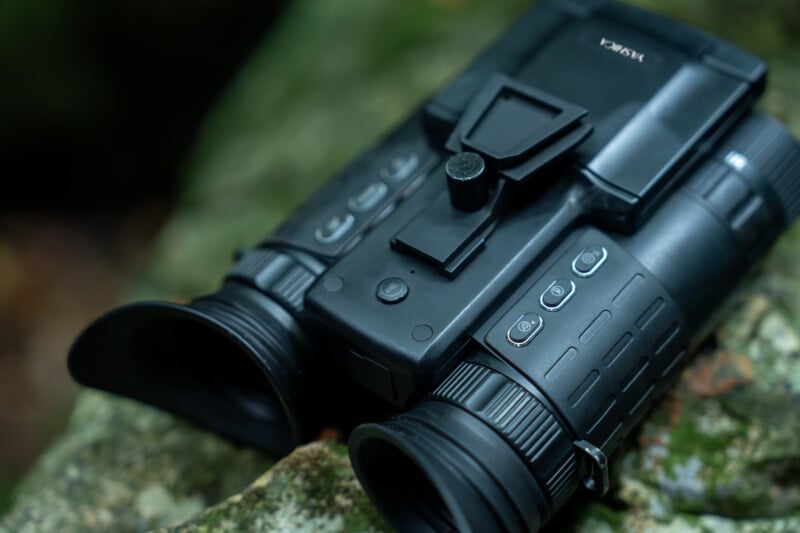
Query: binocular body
[514,274]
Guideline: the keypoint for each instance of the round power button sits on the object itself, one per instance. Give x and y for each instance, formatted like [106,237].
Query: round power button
[392,290]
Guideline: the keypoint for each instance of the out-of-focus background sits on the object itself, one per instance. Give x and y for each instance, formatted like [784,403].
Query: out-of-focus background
[142,141]
[99,105]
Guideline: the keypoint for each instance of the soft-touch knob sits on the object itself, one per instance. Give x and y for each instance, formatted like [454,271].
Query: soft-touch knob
[466,179]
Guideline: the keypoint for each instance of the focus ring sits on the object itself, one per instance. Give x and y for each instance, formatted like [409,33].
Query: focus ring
[774,153]
[521,419]
[278,275]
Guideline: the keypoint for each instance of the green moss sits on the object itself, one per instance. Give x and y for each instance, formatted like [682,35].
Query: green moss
[614,519]
[703,468]
[6,495]
[366,519]
[689,437]
[313,486]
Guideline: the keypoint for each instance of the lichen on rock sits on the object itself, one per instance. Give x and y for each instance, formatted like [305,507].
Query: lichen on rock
[312,490]
[124,466]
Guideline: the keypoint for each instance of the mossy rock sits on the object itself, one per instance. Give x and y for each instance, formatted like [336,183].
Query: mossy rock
[123,466]
[313,489]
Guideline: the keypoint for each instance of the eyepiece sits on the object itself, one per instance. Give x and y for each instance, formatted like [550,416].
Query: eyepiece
[232,362]
[439,468]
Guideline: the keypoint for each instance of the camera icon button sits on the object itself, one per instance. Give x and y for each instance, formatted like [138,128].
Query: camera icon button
[557,294]
[526,327]
[589,260]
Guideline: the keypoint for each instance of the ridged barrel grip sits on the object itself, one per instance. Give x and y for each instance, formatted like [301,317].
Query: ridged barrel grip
[522,420]
[277,274]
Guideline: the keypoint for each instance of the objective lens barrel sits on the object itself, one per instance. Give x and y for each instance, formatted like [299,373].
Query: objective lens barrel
[707,235]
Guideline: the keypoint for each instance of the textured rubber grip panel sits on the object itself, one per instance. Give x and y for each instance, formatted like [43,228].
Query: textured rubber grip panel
[276,274]
[775,154]
[521,419]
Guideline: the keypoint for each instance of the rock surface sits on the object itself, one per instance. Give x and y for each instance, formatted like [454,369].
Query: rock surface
[720,453]
[312,490]
[122,466]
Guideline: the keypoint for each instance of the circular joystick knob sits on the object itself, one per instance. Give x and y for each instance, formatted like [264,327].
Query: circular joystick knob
[467,181]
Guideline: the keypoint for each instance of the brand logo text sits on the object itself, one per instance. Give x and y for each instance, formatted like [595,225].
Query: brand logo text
[624,51]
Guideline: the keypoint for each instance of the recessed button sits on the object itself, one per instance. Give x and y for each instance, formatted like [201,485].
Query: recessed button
[589,260]
[557,294]
[392,290]
[368,198]
[334,229]
[400,167]
[524,329]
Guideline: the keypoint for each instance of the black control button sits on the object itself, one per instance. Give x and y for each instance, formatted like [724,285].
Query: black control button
[400,168]
[334,229]
[392,290]
[557,294]
[524,329]
[589,260]
[368,198]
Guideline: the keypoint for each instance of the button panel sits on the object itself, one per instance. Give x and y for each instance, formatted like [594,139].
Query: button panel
[575,276]
[589,260]
[524,329]
[370,189]
[557,294]
[603,354]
